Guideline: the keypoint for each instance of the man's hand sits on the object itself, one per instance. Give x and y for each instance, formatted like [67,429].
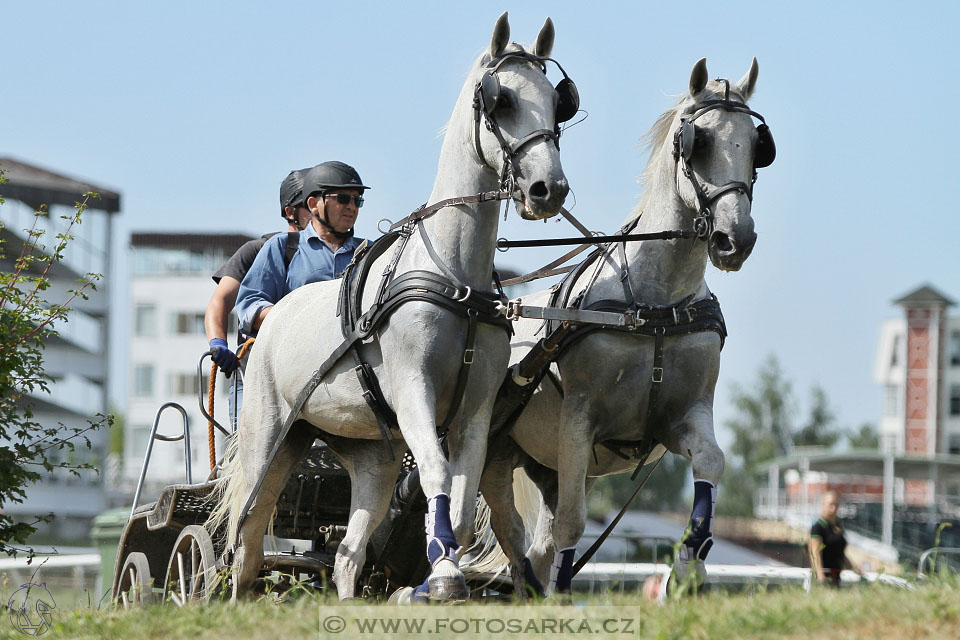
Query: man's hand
[223,356]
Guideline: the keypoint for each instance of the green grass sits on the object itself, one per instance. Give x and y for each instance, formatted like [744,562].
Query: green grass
[932,611]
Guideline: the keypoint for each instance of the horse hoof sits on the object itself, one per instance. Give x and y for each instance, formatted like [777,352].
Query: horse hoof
[448,588]
[685,579]
[403,595]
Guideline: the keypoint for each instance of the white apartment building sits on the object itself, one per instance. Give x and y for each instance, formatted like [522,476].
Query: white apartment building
[170,288]
[78,359]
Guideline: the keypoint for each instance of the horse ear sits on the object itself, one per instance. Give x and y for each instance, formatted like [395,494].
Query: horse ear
[748,81]
[544,44]
[501,36]
[698,77]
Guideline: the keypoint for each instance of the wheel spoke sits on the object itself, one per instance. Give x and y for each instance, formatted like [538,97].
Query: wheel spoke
[133,583]
[123,597]
[194,567]
[182,579]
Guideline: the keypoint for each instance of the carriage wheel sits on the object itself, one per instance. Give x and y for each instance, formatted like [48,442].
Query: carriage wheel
[135,587]
[191,572]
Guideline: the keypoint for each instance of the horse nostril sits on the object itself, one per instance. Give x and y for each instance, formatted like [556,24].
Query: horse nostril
[722,242]
[538,190]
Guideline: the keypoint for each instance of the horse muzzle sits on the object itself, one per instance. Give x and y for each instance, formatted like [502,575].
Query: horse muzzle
[729,251]
[542,199]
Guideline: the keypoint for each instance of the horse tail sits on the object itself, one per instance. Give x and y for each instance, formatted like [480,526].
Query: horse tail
[485,553]
[229,495]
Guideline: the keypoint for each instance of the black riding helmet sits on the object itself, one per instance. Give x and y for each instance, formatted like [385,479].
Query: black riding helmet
[328,176]
[291,191]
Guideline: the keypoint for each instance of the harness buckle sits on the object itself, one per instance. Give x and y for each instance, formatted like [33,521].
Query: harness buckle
[466,295]
[468,356]
[657,375]
[629,318]
[676,320]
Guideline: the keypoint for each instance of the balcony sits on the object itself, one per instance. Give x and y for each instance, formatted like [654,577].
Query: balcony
[73,393]
[83,331]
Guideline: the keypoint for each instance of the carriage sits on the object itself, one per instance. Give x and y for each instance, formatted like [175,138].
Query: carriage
[167,554]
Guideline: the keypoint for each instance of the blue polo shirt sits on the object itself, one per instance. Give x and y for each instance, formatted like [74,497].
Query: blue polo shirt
[269,280]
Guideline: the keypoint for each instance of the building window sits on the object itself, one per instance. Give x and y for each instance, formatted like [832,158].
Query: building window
[955,400]
[187,324]
[143,380]
[891,400]
[955,349]
[185,384]
[145,320]
[139,436]
[953,446]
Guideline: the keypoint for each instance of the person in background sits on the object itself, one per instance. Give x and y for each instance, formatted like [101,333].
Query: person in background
[828,544]
[231,274]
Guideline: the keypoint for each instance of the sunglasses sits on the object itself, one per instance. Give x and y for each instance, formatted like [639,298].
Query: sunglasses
[344,198]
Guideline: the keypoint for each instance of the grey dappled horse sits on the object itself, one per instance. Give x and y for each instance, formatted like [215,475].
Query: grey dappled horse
[417,353]
[606,376]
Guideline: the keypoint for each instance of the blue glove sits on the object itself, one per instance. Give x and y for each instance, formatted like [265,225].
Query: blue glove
[223,356]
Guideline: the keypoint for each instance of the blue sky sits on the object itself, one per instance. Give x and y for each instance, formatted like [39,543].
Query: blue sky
[196,111]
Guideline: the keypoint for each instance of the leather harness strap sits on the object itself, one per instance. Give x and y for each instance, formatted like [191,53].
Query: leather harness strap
[427,211]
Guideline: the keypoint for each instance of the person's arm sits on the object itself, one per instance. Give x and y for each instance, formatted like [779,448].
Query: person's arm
[260,317]
[263,286]
[816,566]
[221,304]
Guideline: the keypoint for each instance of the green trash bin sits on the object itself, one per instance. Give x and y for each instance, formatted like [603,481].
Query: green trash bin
[106,532]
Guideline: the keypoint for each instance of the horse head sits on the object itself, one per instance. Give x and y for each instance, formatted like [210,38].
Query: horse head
[517,113]
[717,149]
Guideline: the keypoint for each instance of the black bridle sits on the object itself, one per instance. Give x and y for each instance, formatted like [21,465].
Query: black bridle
[485,98]
[683,145]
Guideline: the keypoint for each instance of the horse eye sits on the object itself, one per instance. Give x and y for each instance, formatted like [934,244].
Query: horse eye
[504,101]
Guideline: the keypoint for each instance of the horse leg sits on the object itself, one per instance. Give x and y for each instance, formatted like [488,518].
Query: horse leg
[373,476]
[540,553]
[248,560]
[445,581]
[698,444]
[496,484]
[575,448]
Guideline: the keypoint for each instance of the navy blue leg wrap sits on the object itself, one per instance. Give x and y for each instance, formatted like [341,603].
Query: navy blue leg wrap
[531,578]
[563,568]
[701,518]
[440,539]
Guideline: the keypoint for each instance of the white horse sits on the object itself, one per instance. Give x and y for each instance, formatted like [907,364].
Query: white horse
[418,352]
[704,153]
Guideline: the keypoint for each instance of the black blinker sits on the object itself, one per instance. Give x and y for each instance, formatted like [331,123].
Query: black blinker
[489,92]
[766,151]
[568,100]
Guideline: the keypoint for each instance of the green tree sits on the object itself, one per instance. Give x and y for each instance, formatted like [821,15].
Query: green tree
[865,437]
[820,428]
[764,428]
[27,321]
